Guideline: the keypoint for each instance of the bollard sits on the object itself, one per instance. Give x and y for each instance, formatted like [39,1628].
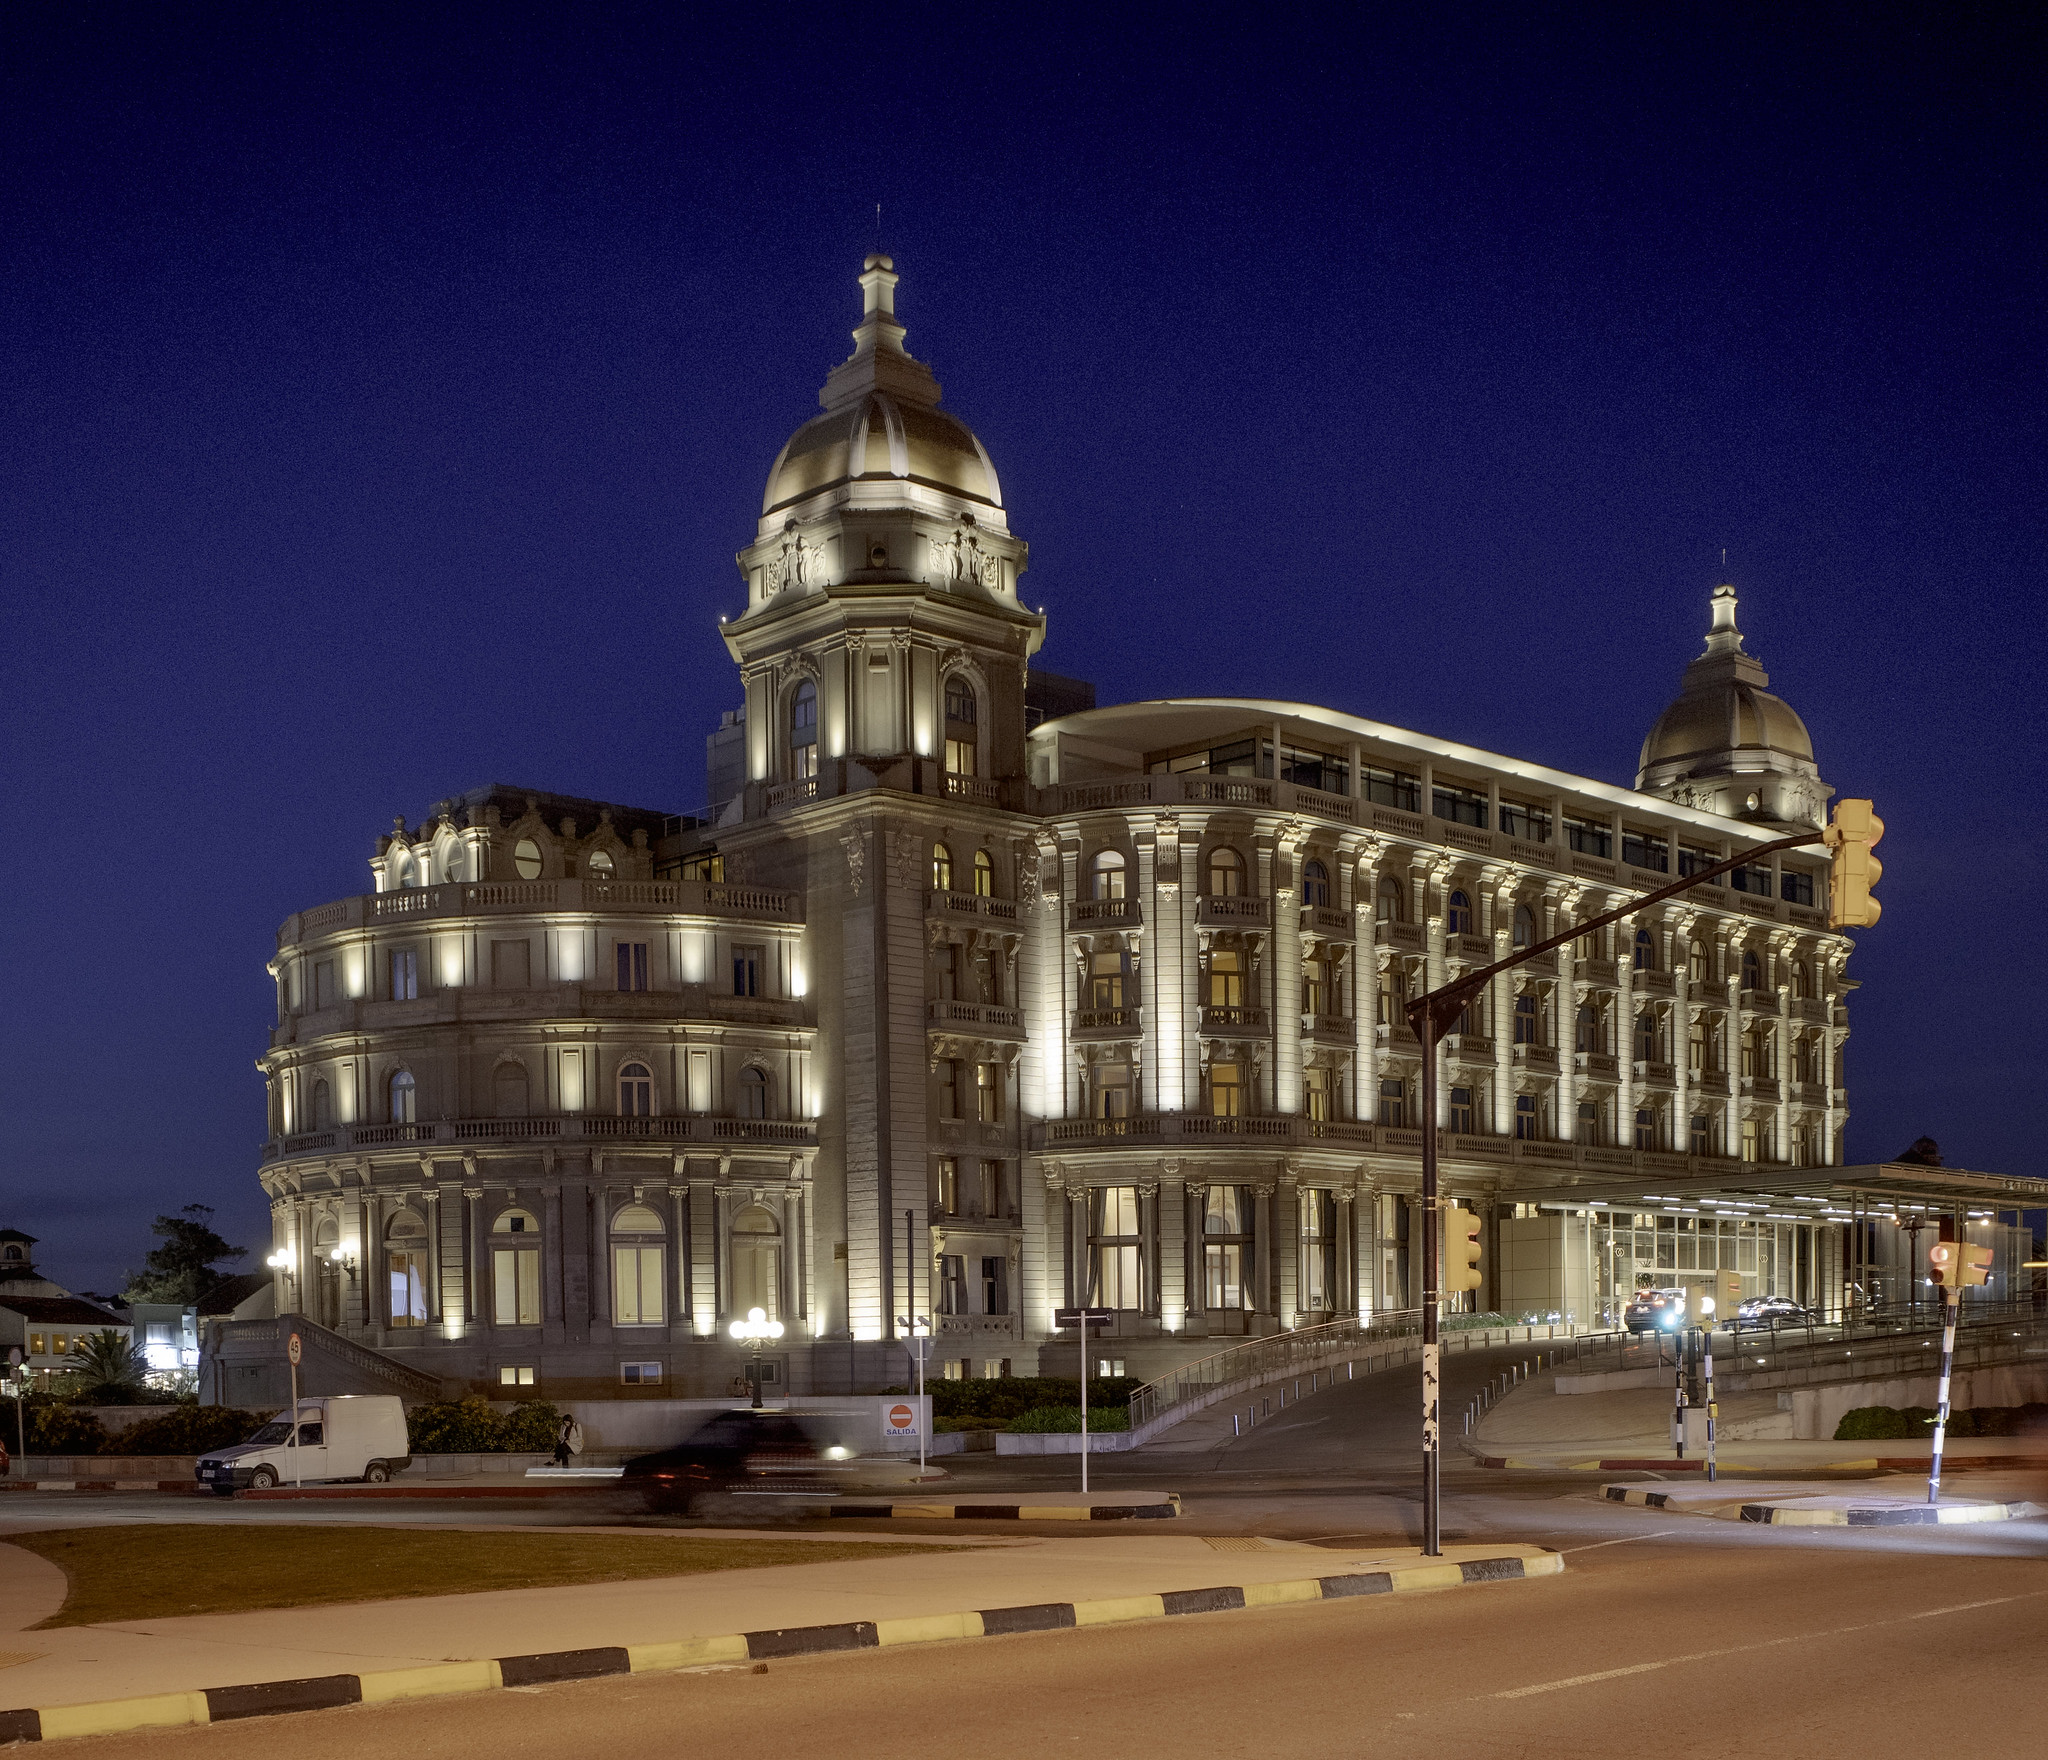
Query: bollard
[1234,1430]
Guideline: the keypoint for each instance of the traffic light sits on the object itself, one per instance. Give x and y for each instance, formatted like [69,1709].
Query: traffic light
[1727,1294]
[1699,1305]
[1959,1264]
[1461,1249]
[1852,834]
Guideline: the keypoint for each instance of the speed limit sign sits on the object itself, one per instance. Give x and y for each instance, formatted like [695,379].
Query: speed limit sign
[291,1350]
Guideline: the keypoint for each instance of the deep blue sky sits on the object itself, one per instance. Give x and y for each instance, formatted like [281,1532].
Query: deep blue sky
[387,390]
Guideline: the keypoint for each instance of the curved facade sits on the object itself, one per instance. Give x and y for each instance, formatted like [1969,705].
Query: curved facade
[954,1020]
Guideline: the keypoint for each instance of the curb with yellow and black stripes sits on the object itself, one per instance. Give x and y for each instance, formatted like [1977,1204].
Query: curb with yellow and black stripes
[325,1692]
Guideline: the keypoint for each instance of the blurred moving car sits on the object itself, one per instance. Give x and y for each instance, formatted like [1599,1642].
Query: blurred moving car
[744,1454]
[1654,1310]
[1774,1311]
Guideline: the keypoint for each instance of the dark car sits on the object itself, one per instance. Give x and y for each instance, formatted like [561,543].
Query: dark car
[1774,1311]
[1654,1310]
[742,1454]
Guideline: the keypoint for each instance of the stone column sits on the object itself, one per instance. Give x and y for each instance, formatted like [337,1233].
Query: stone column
[1173,1246]
[704,1293]
[1287,1244]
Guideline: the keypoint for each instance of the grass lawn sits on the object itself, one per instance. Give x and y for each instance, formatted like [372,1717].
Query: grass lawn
[148,1572]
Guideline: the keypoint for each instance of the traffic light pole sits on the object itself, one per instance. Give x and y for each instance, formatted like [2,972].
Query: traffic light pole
[1952,1302]
[1431,1016]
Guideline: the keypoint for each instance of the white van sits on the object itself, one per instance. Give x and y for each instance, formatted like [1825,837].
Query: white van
[343,1436]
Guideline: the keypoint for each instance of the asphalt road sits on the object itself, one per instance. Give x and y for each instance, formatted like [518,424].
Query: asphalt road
[1644,1646]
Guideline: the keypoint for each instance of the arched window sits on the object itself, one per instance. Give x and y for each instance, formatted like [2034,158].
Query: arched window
[1752,970]
[1226,873]
[803,732]
[401,871]
[405,1256]
[515,1269]
[753,1101]
[1390,902]
[1802,980]
[984,874]
[756,1262]
[1315,884]
[323,1106]
[1525,927]
[1109,874]
[942,868]
[509,1090]
[402,1096]
[639,1289]
[636,1091]
[960,726]
[526,859]
[1696,967]
[1459,921]
[1646,951]
[451,863]
[598,864]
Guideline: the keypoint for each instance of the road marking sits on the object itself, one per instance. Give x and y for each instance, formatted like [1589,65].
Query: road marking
[1625,1540]
[1612,1674]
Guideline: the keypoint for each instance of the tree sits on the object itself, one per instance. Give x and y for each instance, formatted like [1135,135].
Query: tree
[106,1362]
[182,1269]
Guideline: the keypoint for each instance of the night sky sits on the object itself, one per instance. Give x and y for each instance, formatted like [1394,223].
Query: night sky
[387,390]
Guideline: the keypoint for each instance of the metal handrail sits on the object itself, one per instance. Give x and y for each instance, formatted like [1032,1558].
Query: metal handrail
[1258,1357]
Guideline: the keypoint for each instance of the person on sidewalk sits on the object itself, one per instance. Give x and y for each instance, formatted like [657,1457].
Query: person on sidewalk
[568,1441]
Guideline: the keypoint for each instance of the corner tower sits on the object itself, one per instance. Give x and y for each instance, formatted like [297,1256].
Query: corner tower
[1726,744]
[882,643]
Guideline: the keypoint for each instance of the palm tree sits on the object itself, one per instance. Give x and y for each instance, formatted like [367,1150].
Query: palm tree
[106,1361]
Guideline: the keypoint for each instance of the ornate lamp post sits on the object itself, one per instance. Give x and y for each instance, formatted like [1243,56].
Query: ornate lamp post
[753,1332]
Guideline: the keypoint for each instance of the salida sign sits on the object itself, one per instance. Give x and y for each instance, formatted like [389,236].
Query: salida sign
[899,1419]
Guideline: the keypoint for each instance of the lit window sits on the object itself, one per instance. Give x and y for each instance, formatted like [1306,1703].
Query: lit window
[515,1269]
[1227,1236]
[984,874]
[639,1296]
[1461,1111]
[1317,1285]
[1390,901]
[1112,1090]
[1696,962]
[1107,973]
[1109,874]
[636,1091]
[988,1092]
[1226,873]
[1315,884]
[405,1248]
[960,727]
[1116,1248]
[1646,1128]
[1226,1090]
[803,732]
[949,1186]
[599,864]
[942,868]
[757,1263]
[516,1375]
[526,859]
[1226,978]
[402,1095]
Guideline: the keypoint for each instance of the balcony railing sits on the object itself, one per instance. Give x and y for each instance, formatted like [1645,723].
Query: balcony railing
[1320,919]
[1656,1075]
[970,904]
[1234,1020]
[977,1017]
[1596,1063]
[1406,936]
[593,1127]
[1596,971]
[1233,913]
[1653,983]
[1091,911]
[1537,1057]
[974,788]
[686,898]
[1108,1023]
[1760,1087]
[1340,1027]
[1468,1047]
[792,794]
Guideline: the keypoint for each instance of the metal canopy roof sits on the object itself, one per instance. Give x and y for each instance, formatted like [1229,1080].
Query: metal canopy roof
[1799,1187]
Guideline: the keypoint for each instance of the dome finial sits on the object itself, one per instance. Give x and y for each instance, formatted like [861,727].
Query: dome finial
[878,326]
[1723,637]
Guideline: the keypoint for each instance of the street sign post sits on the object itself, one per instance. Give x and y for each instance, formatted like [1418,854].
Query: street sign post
[17,1378]
[292,1351]
[1083,1321]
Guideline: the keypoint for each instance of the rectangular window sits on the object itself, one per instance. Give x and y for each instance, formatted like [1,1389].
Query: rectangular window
[1115,1248]
[1525,1117]
[1752,1139]
[1589,838]
[993,1300]
[1394,1101]
[1461,1111]
[1315,1092]
[1756,881]
[1699,1138]
[405,975]
[1112,1090]
[1318,1283]
[1107,975]
[637,1287]
[1227,1234]
[988,1092]
[1315,770]
[949,1186]
[36,1342]
[1530,824]
[952,1284]
[1226,978]
[1226,1090]
[949,1088]
[1391,788]
[1589,1121]
[1794,887]
[516,1375]
[746,971]
[515,1281]
[960,757]
[991,1193]
[1643,849]
[632,960]
[1460,806]
[640,1374]
[1315,987]
[1696,861]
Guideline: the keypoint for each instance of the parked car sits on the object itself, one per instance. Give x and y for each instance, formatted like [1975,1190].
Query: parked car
[340,1436]
[1654,1310]
[743,1454]
[1774,1311]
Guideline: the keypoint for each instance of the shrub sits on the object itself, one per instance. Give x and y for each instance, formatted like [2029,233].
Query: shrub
[1066,1420]
[469,1426]
[1871,1424]
[991,1403]
[187,1430]
[1478,1322]
[57,1429]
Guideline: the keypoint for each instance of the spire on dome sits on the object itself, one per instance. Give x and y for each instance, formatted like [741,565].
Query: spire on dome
[879,361]
[1724,637]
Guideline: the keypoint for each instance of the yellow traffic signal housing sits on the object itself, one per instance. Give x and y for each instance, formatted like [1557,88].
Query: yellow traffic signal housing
[1699,1304]
[1959,1264]
[1852,834]
[1461,1250]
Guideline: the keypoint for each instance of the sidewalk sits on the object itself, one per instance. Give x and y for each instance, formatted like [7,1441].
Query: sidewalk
[1042,1583]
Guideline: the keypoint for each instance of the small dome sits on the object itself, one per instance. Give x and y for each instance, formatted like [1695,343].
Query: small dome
[1729,718]
[882,422]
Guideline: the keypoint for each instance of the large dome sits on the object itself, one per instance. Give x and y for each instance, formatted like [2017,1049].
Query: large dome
[1730,717]
[878,438]
[882,423]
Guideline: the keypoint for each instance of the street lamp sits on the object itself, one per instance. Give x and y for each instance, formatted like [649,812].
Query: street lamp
[753,1332]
